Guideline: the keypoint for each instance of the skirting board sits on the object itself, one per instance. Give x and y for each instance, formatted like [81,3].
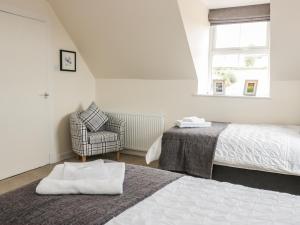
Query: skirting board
[68,155]
[134,152]
[54,158]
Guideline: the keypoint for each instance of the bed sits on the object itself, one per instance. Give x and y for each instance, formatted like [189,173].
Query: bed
[269,148]
[154,197]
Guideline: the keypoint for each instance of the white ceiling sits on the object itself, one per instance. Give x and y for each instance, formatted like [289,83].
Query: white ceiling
[212,4]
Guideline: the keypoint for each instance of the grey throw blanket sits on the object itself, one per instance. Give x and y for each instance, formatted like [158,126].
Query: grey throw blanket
[190,150]
[23,206]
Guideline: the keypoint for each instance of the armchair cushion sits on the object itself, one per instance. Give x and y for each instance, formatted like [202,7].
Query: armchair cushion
[102,136]
[117,126]
[93,118]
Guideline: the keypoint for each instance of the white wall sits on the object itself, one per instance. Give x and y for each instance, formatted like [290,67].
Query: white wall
[68,91]
[175,98]
[195,20]
[285,36]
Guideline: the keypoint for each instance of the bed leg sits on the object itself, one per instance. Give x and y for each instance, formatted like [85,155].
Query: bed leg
[83,158]
[118,155]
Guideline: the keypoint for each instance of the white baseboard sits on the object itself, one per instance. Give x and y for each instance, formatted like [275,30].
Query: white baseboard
[134,152]
[66,155]
[54,158]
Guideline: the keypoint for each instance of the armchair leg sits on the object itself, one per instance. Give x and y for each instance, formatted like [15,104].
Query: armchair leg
[118,155]
[83,158]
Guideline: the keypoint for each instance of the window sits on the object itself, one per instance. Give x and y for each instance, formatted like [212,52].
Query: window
[240,52]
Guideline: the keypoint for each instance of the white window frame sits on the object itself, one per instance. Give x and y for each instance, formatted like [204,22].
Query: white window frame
[226,51]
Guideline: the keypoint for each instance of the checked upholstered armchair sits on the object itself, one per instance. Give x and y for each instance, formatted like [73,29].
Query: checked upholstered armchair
[109,138]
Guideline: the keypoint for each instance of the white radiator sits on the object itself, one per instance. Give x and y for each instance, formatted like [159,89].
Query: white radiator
[141,129]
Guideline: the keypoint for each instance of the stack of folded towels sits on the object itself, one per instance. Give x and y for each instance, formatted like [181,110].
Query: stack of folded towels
[193,121]
[96,177]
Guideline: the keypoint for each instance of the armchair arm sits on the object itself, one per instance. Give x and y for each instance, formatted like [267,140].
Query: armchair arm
[117,126]
[79,135]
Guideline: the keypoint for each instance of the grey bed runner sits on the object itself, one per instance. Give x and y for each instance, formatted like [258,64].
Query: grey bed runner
[190,150]
[23,206]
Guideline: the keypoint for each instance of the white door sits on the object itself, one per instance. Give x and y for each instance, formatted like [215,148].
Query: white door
[24,134]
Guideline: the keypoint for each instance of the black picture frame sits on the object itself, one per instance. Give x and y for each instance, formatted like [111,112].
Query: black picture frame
[73,61]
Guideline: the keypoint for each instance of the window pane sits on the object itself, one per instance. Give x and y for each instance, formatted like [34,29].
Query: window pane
[236,68]
[241,35]
[241,61]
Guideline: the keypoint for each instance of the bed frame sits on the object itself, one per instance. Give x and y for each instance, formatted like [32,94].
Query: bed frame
[258,179]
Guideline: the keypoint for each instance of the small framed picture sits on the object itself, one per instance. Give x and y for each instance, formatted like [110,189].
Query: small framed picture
[219,87]
[250,87]
[67,61]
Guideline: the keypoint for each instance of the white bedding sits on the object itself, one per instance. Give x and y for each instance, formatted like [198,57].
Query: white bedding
[259,147]
[194,201]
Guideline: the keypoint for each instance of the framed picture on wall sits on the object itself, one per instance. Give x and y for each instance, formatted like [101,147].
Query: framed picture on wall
[67,61]
[250,87]
[219,87]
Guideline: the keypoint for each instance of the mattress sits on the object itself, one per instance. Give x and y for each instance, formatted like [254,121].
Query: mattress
[260,147]
[270,148]
[195,201]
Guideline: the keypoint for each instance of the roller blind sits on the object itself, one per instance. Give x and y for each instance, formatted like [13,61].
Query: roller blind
[243,14]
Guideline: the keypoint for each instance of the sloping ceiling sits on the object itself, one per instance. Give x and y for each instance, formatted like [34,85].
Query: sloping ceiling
[142,39]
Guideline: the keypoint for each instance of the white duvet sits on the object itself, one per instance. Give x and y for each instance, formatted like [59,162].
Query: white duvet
[259,147]
[194,201]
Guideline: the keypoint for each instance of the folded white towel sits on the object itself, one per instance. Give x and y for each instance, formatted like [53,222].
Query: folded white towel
[87,170]
[181,124]
[55,183]
[193,119]
[78,171]
[84,164]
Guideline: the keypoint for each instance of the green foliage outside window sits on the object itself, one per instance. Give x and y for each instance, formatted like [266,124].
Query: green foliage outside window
[227,75]
[249,61]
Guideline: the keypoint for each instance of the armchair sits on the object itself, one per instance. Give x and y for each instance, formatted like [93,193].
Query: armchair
[111,138]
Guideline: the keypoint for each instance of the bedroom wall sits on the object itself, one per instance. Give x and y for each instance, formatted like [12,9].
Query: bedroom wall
[285,36]
[68,91]
[194,15]
[175,98]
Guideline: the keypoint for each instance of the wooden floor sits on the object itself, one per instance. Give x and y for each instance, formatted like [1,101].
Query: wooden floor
[254,179]
[15,182]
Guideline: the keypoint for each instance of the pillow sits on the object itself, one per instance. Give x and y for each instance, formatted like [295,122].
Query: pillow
[93,118]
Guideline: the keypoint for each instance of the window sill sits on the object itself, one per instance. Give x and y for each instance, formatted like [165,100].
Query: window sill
[232,96]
